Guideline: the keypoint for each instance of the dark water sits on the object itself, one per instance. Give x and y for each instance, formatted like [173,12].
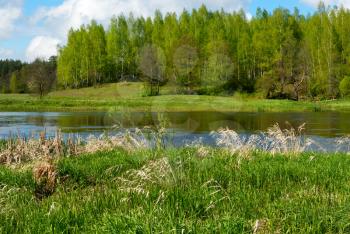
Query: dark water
[184,125]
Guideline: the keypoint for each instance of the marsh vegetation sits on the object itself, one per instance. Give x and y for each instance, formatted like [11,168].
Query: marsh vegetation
[128,184]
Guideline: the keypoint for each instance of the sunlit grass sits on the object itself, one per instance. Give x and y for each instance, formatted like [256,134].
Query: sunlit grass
[129,96]
[177,191]
[116,185]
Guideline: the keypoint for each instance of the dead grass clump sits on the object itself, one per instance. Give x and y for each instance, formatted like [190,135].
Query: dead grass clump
[203,152]
[217,194]
[21,150]
[158,172]
[236,144]
[343,144]
[45,177]
[286,141]
[275,141]
[261,226]
[129,142]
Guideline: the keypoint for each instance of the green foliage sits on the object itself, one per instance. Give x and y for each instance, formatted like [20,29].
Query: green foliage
[7,69]
[152,68]
[282,54]
[344,87]
[13,83]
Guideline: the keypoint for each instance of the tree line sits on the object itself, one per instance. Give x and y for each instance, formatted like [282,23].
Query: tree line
[38,77]
[282,54]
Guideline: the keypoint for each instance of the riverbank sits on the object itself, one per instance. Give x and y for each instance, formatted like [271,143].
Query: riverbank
[171,103]
[178,190]
[128,96]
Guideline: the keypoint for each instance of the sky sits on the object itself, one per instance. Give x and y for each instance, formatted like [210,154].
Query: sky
[34,28]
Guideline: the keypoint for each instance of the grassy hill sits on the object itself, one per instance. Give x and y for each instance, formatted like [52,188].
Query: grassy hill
[105,91]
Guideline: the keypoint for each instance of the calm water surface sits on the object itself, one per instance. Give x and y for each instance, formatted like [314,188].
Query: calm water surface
[323,126]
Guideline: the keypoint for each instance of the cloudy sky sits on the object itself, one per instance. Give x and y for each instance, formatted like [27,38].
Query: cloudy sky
[34,28]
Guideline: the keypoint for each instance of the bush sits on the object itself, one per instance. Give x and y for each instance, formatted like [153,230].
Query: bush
[344,87]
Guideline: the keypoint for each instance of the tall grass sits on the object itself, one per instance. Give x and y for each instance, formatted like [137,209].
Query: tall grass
[175,191]
[121,185]
[275,140]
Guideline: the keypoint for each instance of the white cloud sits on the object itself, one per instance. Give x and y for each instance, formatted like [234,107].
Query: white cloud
[5,53]
[55,22]
[10,11]
[73,13]
[42,47]
[314,3]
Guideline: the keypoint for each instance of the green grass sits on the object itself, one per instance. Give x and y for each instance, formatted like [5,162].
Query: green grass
[122,96]
[304,194]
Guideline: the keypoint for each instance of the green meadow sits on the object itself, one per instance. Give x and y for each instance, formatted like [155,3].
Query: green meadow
[180,191]
[129,96]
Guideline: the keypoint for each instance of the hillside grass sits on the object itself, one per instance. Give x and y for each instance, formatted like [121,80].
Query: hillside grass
[176,191]
[122,96]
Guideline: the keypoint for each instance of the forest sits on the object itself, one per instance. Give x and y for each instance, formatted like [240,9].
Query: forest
[38,77]
[277,55]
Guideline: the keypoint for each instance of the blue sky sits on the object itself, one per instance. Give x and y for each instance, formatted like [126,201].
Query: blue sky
[34,28]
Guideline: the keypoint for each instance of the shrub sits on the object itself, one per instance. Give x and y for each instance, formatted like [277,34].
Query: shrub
[344,87]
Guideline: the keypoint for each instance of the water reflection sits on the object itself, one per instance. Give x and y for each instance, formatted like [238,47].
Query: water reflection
[327,125]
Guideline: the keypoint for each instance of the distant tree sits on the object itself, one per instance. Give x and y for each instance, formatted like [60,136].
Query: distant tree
[7,68]
[185,61]
[344,87]
[119,50]
[282,54]
[41,77]
[219,68]
[97,38]
[13,83]
[267,84]
[152,66]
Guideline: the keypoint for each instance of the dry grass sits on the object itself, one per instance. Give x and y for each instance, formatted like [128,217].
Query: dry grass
[217,194]
[286,141]
[274,141]
[236,144]
[20,150]
[158,172]
[343,144]
[261,226]
[45,177]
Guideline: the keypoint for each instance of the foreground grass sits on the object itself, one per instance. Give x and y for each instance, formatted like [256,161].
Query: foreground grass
[121,96]
[175,191]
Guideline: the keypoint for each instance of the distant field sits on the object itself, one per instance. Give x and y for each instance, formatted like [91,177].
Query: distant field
[106,91]
[122,96]
[178,191]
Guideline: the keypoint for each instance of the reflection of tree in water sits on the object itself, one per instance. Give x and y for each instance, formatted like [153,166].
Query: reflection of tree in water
[80,121]
[321,124]
[39,120]
[129,119]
